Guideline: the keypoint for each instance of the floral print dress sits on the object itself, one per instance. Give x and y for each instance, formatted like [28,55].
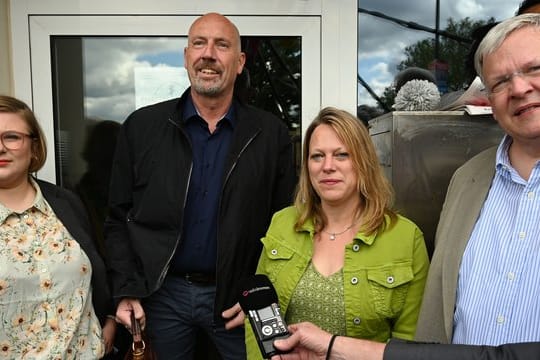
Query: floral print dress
[46,307]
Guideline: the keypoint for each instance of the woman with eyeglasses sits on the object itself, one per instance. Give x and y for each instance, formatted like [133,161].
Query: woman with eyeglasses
[54,295]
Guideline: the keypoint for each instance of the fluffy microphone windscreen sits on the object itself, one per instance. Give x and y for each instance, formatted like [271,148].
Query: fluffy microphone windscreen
[417,95]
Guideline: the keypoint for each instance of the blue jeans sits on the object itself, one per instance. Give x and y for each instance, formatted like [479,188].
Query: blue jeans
[174,314]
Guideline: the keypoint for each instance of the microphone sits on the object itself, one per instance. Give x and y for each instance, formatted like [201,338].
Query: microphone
[417,95]
[259,301]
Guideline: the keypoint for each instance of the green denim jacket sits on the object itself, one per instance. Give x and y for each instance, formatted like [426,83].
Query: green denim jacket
[384,276]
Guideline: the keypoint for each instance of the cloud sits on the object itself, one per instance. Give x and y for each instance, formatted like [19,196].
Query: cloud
[109,71]
[113,107]
[383,41]
[465,8]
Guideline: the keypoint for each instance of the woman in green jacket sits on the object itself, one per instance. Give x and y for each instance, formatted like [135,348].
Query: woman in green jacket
[340,257]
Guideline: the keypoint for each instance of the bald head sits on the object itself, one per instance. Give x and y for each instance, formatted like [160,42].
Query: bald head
[213,57]
[215,19]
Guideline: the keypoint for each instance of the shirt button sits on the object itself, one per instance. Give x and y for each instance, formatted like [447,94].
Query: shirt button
[357,321]
[530,195]
[511,276]
[273,251]
[25,216]
[354,280]
[43,270]
[522,234]
[390,279]
[356,248]
[500,319]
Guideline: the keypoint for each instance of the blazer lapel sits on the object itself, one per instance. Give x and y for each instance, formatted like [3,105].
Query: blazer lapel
[472,194]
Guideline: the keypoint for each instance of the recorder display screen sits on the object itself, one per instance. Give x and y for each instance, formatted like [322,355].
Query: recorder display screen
[266,313]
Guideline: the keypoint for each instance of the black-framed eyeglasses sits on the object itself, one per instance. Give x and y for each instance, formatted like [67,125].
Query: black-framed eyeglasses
[13,140]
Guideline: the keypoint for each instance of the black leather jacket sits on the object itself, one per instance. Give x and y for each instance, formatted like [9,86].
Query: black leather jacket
[150,178]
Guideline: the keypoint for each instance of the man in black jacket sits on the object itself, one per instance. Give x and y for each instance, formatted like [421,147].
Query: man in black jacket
[194,184]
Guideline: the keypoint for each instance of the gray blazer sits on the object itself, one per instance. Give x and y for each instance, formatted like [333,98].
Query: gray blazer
[465,197]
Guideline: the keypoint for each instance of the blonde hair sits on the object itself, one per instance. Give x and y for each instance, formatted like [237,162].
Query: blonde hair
[12,105]
[374,191]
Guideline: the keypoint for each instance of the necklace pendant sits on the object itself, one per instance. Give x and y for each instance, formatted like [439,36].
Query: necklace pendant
[332,236]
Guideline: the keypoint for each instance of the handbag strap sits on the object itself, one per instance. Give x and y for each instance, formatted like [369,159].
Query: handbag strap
[138,345]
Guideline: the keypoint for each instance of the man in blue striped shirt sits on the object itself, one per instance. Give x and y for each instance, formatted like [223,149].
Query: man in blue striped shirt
[484,283]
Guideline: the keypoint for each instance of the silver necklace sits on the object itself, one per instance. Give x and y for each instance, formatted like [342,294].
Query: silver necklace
[334,234]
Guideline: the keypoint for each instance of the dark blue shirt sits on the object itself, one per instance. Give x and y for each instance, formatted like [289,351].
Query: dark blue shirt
[197,251]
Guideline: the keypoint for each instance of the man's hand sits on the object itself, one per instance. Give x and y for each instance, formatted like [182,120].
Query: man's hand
[124,309]
[234,317]
[308,342]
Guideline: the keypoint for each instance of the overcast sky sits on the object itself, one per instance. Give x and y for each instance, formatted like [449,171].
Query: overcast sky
[110,63]
[381,42]
[112,66]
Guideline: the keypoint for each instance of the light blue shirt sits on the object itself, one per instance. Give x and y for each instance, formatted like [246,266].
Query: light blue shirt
[498,294]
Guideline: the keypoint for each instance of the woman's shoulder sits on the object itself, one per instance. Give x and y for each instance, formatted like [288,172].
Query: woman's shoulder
[403,223]
[285,215]
[283,223]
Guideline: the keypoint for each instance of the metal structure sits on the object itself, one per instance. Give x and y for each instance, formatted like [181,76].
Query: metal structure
[420,151]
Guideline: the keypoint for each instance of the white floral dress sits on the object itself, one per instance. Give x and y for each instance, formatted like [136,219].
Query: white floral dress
[46,307]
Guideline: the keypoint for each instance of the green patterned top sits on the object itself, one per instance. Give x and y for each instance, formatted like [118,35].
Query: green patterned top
[320,300]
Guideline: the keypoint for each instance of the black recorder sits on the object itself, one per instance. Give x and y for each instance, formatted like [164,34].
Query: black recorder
[259,301]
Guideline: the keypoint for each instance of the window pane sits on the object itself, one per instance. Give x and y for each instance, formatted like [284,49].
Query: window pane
[99,81]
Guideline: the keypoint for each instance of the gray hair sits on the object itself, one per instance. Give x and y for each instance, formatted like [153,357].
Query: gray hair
[495,37]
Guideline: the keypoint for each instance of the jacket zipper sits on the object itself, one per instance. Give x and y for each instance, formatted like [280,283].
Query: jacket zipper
[250,140]
[168,263]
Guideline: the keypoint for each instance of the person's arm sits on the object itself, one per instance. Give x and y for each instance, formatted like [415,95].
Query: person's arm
[119,253]
[234,317]
[109,333]
[408,350]
[405,325]
[308,342]
[101,295]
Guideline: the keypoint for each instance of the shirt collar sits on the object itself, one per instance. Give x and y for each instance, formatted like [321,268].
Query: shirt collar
[503,167]
[502,158]
[39,204]
[191,111]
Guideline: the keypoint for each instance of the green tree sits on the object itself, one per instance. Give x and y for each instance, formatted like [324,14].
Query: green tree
[422,54]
